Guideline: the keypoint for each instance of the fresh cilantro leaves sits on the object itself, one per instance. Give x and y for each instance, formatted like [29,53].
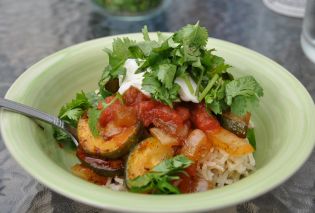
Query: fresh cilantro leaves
[157,181]
[251,137]
[93,116]
[242,94]
[72,111]
[152,85]
[192,35]
[183,54]
[117,57]
[83,103]
[166,74]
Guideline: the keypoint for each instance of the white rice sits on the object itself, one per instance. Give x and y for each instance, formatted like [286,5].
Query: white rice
[217,169]
[116,184]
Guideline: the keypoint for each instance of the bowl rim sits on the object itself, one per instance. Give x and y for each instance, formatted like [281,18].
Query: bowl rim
[204,204]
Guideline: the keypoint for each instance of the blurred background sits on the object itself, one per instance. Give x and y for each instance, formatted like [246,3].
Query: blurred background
[30,30]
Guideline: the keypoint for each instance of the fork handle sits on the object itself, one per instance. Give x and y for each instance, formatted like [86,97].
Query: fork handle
[31,112]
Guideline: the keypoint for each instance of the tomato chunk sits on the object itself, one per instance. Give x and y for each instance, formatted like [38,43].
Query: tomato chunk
[134,96]
[107,114]
[203,120]
[121,114]
[188,182]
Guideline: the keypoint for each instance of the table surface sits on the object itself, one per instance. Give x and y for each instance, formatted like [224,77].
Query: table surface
[31,30]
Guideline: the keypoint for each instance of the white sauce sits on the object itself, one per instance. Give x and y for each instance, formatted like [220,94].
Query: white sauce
[131,78]
[184,92]
[135,80]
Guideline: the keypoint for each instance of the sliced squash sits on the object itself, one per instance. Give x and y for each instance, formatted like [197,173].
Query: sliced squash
[113,148]
[106,167]
[236,124]
[196,146]
[88,174]
[145,156]
[229,142]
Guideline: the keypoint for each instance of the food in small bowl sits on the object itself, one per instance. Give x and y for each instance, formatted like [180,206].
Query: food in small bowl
[168,118]
[285,109]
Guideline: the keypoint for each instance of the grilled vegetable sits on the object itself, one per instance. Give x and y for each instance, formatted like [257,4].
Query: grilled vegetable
[112,148]
[88,174]
[159,179]
[146,155]
[196,145]
[163,137]
[229,142]
[101,166]
[112,86]
[236,124]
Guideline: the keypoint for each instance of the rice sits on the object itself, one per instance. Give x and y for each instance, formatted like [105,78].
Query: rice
[116,184]
[218,169]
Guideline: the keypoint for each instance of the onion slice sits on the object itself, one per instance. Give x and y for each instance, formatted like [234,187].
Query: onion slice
[163,137]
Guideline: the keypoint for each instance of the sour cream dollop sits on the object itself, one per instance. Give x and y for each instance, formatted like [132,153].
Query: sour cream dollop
[135,80]
[184,92]
[131,78]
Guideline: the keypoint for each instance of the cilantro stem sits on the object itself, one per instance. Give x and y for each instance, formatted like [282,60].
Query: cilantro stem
[188,83]
[208,87]
[199,82]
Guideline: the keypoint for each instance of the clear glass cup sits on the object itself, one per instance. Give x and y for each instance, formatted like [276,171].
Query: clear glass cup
[308,31]
[131,10]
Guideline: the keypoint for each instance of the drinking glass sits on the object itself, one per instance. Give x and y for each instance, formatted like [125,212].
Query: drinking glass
[308,31]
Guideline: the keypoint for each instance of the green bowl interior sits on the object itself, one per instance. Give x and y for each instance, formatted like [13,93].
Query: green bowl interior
[284,125]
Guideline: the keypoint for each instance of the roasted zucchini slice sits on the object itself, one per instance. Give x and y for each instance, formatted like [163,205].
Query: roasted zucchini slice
[106,167]
[145,156]
[236,124]
[88,174]
[113,148]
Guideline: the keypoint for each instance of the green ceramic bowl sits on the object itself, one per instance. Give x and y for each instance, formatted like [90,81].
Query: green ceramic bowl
[285,123]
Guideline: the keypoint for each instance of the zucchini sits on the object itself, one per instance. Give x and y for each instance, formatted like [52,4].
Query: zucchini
[88,174]
[101,166]
[112,148]
[235,124]
[145,156]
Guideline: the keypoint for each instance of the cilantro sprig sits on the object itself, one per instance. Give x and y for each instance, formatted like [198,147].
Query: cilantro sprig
[157,181]
[71,113]
[183,55]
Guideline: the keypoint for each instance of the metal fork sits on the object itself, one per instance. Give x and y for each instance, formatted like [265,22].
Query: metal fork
[35,113]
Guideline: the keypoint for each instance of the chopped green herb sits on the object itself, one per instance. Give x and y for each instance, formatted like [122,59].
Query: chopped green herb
[72,111]
[184,55]
[157,181]
[94,115]
[251,137]
[242,94]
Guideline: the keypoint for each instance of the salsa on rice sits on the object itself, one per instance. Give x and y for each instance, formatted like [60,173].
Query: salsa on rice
[168,118]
